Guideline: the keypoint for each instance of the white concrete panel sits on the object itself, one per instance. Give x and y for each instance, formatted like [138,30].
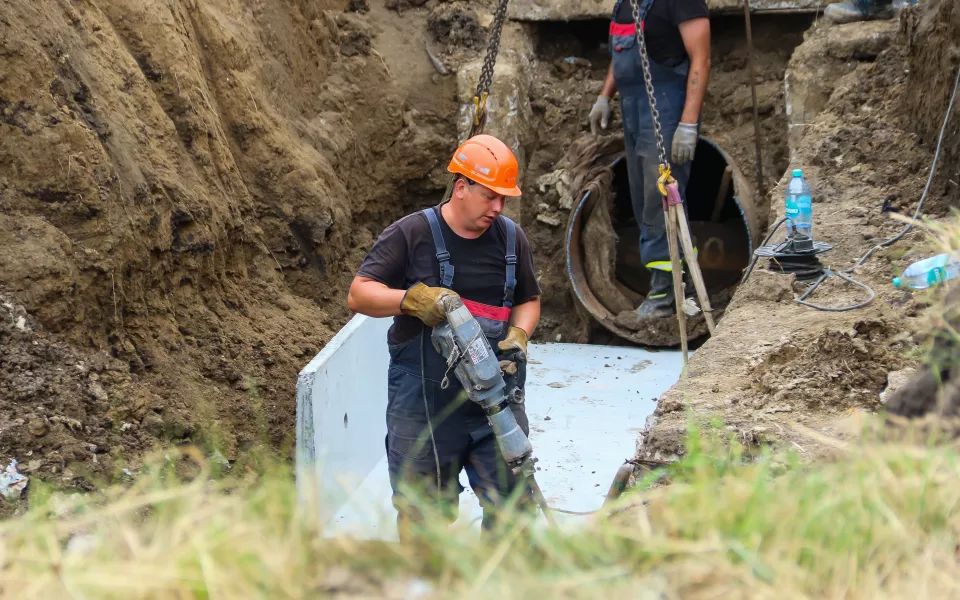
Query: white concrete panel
[341,404]
[586,406]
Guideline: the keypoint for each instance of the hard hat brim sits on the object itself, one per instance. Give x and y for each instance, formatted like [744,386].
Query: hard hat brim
[511,192]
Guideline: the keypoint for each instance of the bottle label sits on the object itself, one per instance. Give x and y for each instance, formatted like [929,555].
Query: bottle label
[793,210]
[935,275]
[805,204]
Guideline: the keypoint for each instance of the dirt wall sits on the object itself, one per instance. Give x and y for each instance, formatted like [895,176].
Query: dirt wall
[932,34]
[186,189]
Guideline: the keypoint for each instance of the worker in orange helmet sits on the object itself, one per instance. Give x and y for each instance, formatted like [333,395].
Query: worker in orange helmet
[466,247]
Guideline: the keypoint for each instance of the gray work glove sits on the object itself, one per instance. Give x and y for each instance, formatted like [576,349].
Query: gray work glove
[600,114]
[684,143]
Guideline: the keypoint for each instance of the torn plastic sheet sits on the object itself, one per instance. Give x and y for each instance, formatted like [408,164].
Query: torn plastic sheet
[12,483]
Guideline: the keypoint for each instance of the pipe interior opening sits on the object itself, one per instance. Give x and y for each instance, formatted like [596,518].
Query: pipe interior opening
[717,224]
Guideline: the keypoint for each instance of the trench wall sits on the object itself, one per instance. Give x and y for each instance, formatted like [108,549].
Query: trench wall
[932,35]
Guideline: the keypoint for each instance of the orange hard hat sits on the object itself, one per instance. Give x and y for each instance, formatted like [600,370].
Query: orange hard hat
[489,162]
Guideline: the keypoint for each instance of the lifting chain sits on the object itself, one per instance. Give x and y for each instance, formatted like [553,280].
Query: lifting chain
[485,83]
[648,80]
[486,74]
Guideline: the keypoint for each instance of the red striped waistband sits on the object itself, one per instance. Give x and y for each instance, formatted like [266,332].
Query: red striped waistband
[624,28]
[497,313]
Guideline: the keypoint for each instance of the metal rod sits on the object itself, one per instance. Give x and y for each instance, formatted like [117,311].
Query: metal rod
[753,93]
[538,496]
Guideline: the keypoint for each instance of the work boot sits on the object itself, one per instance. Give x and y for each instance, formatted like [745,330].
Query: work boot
[859,10]
[660,302]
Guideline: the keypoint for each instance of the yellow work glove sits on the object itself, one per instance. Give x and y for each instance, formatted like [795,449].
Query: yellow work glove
[512,348]
[424,302]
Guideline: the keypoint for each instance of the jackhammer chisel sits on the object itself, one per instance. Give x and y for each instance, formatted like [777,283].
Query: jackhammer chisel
[473,361]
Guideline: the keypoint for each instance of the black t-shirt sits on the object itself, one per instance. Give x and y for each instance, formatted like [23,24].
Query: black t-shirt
[404,254]
[661,28]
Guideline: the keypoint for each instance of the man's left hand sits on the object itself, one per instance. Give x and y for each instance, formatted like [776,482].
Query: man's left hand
[511,351]
[512,348]
[684,143]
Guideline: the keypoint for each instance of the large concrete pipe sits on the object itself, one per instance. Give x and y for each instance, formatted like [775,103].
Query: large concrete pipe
[724,222]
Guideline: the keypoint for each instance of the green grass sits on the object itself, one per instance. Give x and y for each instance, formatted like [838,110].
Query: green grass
[879,523]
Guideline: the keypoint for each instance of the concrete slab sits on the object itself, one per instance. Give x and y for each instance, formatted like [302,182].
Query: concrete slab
[586,405]
[576,10]
[341,398]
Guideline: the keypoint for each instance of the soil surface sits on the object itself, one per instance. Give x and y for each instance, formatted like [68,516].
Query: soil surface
[779,372]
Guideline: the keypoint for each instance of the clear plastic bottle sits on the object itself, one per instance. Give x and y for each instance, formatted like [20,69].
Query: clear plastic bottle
[929,271]
[799,205]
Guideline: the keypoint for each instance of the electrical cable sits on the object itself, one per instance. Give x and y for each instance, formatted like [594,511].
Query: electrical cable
[756,258]
[578,513]
[845,274]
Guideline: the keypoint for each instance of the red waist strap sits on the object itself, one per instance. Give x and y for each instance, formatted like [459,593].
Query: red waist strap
[624,28]
[497,313]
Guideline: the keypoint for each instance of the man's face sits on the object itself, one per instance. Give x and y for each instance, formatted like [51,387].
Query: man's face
[479,205]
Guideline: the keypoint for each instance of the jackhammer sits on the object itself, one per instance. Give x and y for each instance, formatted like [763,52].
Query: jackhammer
[473,361]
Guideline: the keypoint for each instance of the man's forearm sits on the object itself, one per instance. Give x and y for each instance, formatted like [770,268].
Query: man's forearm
[609,84]
[526,316]
[374,299]
[696,90]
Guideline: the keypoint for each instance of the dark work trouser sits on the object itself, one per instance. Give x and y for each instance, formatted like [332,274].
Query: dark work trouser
[464,438]
[670,92]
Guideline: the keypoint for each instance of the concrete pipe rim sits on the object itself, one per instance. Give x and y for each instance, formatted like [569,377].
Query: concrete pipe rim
[744,201]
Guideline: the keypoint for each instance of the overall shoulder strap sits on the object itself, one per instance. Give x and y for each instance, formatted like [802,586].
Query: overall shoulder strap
[443,257]
[644,9]
[511,259]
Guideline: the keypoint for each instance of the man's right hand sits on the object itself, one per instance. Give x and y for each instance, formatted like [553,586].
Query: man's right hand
[600,114]
[425,303]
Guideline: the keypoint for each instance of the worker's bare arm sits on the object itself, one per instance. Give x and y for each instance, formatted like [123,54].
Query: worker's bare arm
[609,84]
[526,315]
[370,297]
[696,39]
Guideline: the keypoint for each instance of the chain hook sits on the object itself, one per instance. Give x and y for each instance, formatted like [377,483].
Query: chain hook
[665,178]
[479,109]
[486,80]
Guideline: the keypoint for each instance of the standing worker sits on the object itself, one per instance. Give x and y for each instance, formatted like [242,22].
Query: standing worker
[463,247]
[677,36]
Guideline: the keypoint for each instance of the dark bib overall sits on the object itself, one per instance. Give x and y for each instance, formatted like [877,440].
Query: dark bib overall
[670,92]
[464,438]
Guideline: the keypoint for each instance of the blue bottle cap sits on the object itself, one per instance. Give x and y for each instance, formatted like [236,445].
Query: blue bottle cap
[896,282]
[798,172]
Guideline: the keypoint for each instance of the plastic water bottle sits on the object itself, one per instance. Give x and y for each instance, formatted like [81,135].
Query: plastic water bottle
[929,271]
[799,200]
